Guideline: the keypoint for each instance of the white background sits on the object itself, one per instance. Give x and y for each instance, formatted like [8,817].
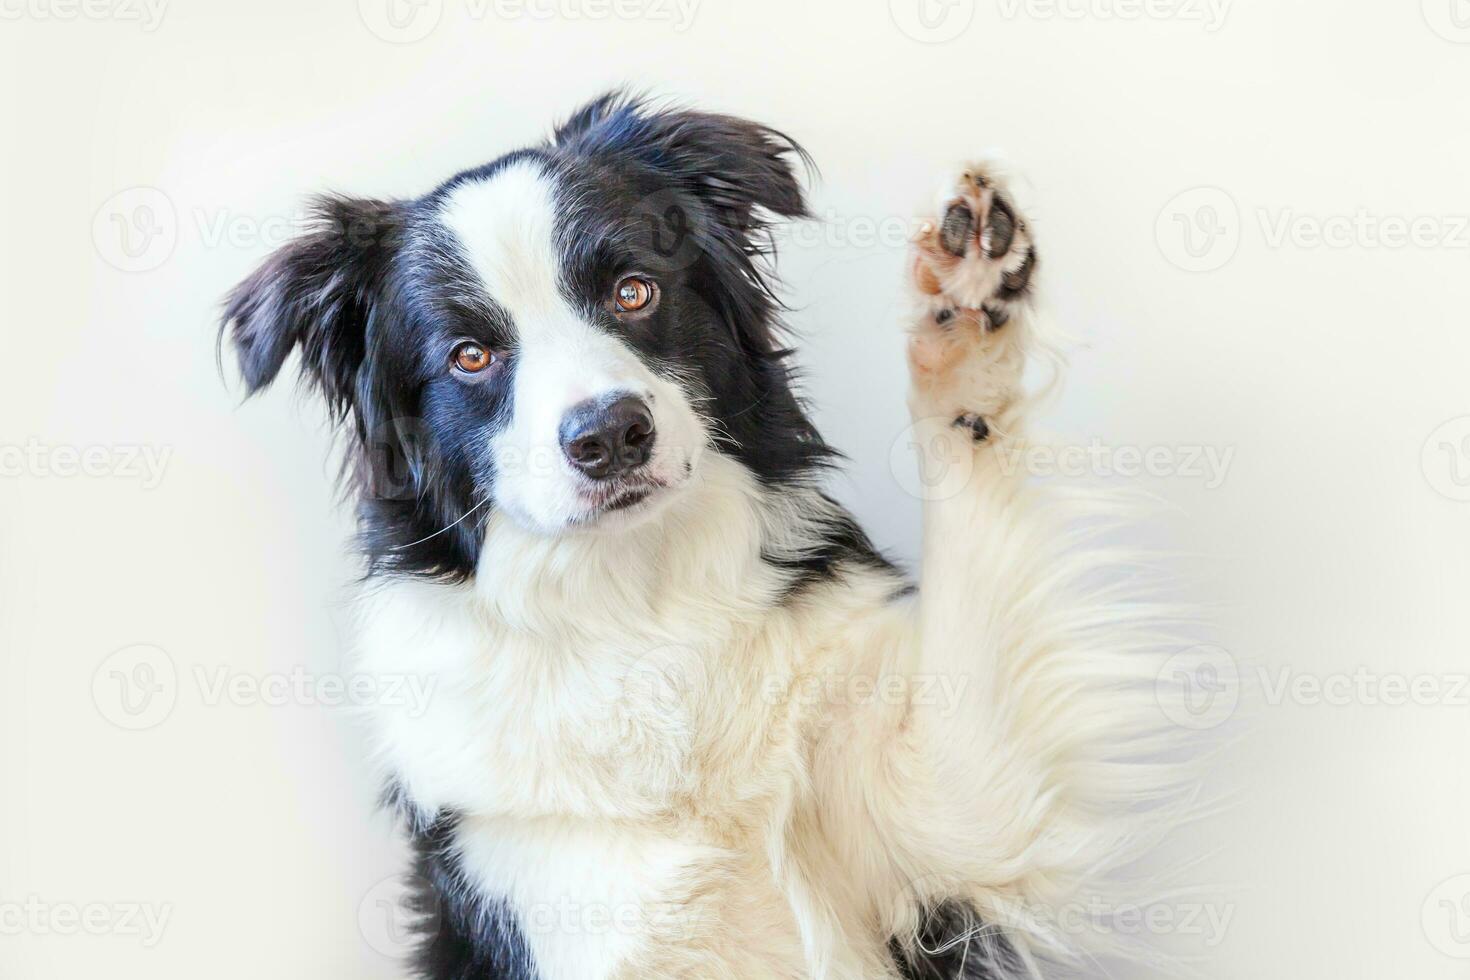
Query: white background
[1334,541]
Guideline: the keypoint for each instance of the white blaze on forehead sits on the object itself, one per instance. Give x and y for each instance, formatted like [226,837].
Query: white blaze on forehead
[506,225]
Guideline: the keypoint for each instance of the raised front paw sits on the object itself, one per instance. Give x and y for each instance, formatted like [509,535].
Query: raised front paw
[973,270]
[978,254]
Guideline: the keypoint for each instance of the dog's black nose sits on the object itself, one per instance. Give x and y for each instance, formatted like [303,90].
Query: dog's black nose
[605,439]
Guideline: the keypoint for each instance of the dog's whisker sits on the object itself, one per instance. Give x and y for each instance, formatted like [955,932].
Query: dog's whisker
[428,537]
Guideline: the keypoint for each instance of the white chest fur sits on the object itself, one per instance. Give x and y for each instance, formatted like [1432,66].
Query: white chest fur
[608,720]
[579,677]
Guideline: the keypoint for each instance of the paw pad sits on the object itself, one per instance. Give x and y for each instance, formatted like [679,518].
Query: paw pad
[954,233]
[978,253]
[979,431]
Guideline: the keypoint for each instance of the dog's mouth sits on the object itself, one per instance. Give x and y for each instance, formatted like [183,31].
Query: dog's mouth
[627,499]
[626,495]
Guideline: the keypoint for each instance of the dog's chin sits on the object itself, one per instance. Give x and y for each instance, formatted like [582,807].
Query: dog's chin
[621,506]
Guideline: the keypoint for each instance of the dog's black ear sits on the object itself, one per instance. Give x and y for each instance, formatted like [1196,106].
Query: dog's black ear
[317,292]
[735,166]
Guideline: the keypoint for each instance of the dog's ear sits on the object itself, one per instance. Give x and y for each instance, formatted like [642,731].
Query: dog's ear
[738,168]
[317,292]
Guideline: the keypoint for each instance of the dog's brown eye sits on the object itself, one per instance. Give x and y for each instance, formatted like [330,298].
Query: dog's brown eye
[471,358]
[633,294]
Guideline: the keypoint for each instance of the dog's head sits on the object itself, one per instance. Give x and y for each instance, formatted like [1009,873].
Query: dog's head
[558,336]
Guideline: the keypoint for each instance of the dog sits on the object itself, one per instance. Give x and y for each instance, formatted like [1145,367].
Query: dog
[687,721]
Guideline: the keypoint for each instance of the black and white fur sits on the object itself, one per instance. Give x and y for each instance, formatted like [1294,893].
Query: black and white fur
[634,720]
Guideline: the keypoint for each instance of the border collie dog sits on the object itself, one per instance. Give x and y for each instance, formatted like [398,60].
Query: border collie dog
[686,721]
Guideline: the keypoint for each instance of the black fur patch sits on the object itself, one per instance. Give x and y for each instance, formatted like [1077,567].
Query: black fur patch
[953,944]
[843,542]
[996,315]
[466,936]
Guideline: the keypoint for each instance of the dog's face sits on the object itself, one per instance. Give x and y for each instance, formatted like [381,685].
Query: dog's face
[558,337]
[552,353]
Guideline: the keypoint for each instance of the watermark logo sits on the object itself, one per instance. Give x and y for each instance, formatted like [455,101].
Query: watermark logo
[33,458]
[1210,13]
[401,21]
[932,21]
[1199,688]
[662,683]
[1199,229]
[411,693]
[938,695]
[919,904]
[139,686]
[836,230]
[136,230]
[398,451]
[1445,459]
[1450,19]
[672,230]
[148,14]
[136,687]
[408,21]
[396,913]
[1364,687]
[932,460]
[1207,464]
[129,920]
[1363,229]
[1445,917]
[563,916]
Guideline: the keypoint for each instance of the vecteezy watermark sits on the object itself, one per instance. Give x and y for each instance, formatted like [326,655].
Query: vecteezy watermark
[408,21]
[33,458]
[932,21]
[1209,13]
[1199,229]
[136,230]
[148,14]
[1450,19]
[1207,464]
[1206,922]
[563,916]
[1363,229]
[932,460]
[1366,687]
[941,692]
[400,21]
[833,229]
[396,913]
[139,229]
[1199,688]
[1445,459]
[1445,917]
[138,687]
[303,688]
[142,921]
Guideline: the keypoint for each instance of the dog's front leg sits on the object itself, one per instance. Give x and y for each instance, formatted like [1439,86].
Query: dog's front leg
[997,791]
[993,811]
